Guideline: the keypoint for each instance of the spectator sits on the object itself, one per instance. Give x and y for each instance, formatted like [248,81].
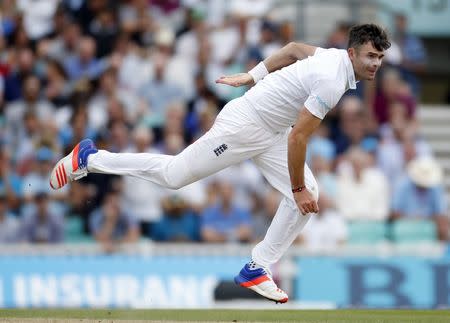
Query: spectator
[104,29]
[352,130]
[110,92]
[31,102]
[10,181]
[339,36]
[223,221]
[9,225]
[326,230]
[112,225]
[22,65]
[84,63]
[57,88]
[37,180]
[420,195]
[400,145]
[392,90]
[64,45]
[414,56]
[159,93]
[263,212]
[141,197]
[37,17]
[362,187]
[42,225]
[178,222]
[77,129]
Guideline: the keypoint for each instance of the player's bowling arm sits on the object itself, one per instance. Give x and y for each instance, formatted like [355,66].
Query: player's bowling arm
[305,125]
[287,55]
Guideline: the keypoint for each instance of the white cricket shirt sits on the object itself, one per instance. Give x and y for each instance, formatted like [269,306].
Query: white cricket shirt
[317,82]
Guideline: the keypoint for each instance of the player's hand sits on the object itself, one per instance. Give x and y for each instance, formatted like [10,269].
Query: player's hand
[306,202]
[236,80]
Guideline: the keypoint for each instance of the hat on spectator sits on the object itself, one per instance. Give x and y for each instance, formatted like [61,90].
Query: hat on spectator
[44,154]
[425,172]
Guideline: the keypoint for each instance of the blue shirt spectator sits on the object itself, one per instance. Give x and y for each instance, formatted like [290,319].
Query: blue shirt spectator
[85,64]
[111,224]
[411,200]
[178,223]
[9,225]
[224,221]
[42,225]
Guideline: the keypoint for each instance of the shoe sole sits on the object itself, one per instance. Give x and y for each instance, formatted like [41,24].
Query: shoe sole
[243,282]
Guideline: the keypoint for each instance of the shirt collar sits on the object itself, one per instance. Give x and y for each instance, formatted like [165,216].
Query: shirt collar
[351,79]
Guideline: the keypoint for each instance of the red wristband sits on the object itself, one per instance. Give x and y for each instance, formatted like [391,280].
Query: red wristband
[298,189]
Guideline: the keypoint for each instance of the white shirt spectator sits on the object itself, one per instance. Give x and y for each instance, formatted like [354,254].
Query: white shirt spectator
[142,198]
[38,16]
[366,199]
[325,231]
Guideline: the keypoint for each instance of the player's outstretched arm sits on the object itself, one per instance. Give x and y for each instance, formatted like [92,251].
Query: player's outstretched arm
[306,124]
[285,56]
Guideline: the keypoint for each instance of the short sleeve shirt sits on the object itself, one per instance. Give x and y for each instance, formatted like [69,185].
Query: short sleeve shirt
[317,82]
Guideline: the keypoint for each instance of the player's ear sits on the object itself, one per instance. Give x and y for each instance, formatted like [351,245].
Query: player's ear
[351,52]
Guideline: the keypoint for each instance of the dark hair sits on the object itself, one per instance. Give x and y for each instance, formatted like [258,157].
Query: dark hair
[361,34]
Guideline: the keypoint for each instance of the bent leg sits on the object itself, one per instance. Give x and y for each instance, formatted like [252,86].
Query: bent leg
[288,221]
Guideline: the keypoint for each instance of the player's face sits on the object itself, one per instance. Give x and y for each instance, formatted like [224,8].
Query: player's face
[366,61]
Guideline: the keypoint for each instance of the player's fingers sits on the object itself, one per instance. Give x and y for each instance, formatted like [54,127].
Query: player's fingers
[306,208]
[302,211]
[316,207]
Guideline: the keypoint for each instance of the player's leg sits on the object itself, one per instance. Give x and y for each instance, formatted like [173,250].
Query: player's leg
[285,226]
[232,139]
[288,220]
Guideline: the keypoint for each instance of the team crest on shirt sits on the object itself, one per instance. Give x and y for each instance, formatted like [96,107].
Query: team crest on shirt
[219,150]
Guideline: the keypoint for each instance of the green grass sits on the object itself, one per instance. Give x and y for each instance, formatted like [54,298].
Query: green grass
[300,316]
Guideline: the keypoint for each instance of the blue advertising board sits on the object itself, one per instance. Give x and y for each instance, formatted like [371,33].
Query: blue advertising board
[375,282]
[190,281]
[113,281]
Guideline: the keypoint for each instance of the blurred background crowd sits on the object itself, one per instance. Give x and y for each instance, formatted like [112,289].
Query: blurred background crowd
[138,76]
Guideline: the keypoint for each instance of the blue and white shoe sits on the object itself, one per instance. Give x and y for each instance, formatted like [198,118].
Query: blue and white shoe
[259,279]
[73,166]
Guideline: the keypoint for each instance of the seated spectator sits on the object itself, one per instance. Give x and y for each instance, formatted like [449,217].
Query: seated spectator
[141,197]
[112,224]
[41,225]
[37,181]
[9,225]
[362,190]
[178,223]
[352,124]
[325,230]
[420,195]
[84,63]
[223,221]
[392,89]
[29,102]
[414,55]
[10,181]
[263,212]
[395,152]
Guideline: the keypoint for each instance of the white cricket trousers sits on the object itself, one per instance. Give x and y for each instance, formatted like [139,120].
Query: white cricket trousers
[236,135]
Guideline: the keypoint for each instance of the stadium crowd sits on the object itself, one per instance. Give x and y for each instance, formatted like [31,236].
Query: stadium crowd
[139,76]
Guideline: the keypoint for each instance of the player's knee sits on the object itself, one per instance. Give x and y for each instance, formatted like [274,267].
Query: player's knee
[176,183]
